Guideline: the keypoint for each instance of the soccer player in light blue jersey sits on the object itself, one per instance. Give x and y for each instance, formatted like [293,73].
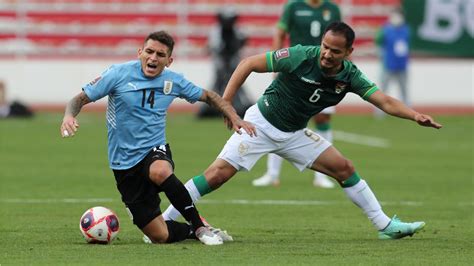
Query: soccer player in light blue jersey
[139,95]
[310,79]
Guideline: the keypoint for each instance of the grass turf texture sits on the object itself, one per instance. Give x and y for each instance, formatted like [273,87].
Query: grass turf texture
[426,174]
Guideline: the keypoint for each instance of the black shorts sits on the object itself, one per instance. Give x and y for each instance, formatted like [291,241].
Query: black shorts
[139,193]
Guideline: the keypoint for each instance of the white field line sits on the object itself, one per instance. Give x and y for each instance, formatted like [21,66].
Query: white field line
[361,139]
[227,202]
[299,202]
[211,202]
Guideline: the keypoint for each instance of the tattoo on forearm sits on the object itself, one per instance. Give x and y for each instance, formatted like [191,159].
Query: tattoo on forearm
[74,106]
[214,100]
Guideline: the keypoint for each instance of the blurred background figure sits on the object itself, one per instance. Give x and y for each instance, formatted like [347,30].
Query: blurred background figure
[15,109]
[304,23]
[225,43]
[394,42]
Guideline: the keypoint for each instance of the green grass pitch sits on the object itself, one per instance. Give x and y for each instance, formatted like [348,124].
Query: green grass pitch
[47,182]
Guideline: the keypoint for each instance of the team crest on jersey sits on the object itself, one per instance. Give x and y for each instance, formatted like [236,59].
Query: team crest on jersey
[95,81]
[340,87]
[326,15]
[282,53]
[168,87]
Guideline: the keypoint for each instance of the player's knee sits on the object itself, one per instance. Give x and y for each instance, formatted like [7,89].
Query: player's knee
[159,237]
[345,169]
[159,175]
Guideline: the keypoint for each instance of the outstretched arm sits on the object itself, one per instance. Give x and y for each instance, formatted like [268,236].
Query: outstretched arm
[70,125]
[395,107]
[232,118]
[256,63]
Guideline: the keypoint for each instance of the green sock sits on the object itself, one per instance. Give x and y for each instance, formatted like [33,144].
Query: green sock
[351,181]
[201,184]
[323,126]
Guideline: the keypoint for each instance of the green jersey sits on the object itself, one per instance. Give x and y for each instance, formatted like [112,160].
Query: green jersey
[305,24]
[301,90]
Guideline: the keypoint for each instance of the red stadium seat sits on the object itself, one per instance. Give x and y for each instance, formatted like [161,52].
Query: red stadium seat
[90,25]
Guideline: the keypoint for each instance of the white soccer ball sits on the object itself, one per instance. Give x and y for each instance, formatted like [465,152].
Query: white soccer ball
[99,225]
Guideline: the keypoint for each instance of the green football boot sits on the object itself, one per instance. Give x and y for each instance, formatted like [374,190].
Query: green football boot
[397,229]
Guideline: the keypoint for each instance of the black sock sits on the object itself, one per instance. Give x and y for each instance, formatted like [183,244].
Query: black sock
[181,200]
[178,231]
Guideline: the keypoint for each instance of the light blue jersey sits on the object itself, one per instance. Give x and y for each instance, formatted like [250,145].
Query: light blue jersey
[137,107]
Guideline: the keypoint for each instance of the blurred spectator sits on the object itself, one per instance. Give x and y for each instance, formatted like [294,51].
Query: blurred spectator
[225,43]
[15,109]
[394,39]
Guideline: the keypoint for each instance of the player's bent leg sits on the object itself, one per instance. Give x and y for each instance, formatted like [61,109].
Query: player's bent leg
[159,171]
[156,230]
[174,190]
[219,172]
[333,163]
[357,190]
[160,231]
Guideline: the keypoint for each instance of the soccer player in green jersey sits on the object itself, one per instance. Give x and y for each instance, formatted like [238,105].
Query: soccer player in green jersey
[303,22]
[310,79]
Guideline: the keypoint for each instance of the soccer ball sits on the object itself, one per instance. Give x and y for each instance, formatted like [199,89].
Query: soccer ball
[99,225]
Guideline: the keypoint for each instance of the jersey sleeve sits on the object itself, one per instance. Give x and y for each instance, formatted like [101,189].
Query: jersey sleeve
[284,21]
[189,91]
[286,59]
[102,85]
[362,86]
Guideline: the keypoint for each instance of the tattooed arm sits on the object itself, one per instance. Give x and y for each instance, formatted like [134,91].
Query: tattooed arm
[232,119]
[70,124]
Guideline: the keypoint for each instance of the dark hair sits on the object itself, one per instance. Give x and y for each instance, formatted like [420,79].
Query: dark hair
[340,27]
[163,37]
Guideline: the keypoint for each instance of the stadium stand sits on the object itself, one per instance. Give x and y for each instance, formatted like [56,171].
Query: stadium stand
[104,28]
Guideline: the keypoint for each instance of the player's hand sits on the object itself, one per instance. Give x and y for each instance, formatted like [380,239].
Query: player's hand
[427,121]
[237,124]
[69,126]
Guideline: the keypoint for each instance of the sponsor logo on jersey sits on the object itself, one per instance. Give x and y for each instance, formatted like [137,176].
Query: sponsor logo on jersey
[282,53]
[94,81]
[310,81]
[167,87]
[326,15]
[340,87]
[304,13]
[265,101]
[132,85]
